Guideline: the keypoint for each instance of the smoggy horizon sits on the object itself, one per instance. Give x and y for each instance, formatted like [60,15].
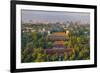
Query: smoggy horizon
[34,16]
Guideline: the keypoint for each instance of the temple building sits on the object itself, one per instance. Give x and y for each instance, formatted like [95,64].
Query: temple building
[58,39]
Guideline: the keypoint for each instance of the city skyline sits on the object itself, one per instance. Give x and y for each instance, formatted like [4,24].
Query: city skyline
[34,16]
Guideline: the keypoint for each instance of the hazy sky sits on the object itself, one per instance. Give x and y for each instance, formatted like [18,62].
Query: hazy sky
[52,16]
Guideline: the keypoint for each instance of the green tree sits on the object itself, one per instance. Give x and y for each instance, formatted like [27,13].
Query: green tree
[65,56]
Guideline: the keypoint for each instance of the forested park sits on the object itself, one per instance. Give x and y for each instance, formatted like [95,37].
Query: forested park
[43,42]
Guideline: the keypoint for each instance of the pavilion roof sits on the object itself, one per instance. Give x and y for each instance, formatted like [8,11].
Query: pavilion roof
[59,43]
[59,33]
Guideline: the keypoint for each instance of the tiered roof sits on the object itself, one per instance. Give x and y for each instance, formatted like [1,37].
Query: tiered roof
[58,43]
[57,36]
